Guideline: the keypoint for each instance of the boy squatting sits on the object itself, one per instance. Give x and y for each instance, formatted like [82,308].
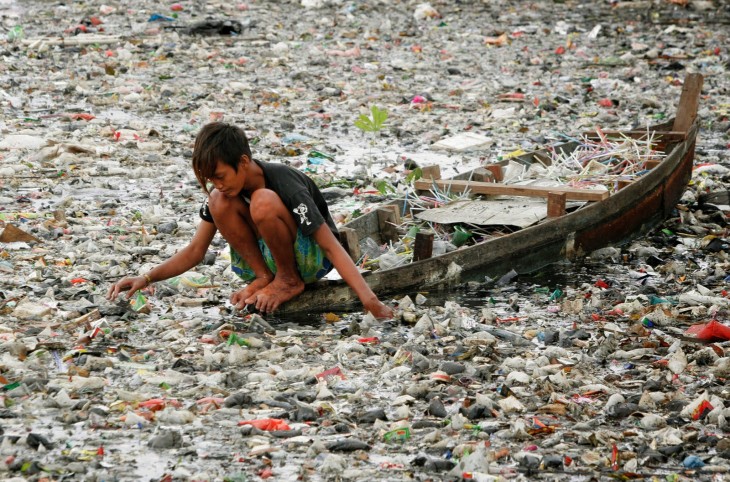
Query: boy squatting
[274,219]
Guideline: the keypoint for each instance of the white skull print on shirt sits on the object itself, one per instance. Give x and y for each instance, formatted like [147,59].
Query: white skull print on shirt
[301,210]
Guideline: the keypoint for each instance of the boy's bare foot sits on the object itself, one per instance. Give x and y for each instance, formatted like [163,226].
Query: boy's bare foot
[238,299]
[275,293]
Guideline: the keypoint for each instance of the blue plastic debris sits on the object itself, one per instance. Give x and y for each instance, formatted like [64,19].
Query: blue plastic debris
[156,17]
[693,462]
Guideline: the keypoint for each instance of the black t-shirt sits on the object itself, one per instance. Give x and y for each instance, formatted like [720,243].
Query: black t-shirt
[300,195]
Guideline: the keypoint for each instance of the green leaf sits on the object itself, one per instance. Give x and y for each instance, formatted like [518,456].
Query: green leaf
[414,175]
[379,117]
[374,124]
[365,124]
[383,187]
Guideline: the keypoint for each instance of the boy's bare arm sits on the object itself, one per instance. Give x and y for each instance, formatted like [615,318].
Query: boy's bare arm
[185,259]
[349,272]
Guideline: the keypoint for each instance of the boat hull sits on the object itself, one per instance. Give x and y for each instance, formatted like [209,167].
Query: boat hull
[628,213]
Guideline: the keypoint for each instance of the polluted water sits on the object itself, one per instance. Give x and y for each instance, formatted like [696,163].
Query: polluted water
[613,366]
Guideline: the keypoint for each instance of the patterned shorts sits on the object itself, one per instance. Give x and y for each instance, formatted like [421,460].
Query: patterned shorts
[311,262]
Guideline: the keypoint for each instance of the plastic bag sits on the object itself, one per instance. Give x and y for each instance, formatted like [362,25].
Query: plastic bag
[267,424]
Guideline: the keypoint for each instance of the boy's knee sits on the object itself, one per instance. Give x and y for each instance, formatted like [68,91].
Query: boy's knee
[264,202]
[218,203]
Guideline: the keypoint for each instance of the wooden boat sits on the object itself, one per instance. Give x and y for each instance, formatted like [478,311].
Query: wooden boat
[605,219]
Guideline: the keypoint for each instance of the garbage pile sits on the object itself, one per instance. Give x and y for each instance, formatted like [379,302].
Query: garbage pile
[613,368]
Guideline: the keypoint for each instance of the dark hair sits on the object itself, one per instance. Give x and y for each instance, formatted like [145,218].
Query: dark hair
[218,142]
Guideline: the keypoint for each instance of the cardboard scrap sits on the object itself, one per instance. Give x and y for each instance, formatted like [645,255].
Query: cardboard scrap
[13,234]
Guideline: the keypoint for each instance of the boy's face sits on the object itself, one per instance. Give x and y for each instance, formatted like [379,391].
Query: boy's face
[227,180]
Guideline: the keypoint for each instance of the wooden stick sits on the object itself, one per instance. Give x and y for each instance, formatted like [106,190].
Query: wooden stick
[512,190]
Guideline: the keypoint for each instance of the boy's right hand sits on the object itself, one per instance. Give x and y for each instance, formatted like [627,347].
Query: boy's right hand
[379,310]
[131,284]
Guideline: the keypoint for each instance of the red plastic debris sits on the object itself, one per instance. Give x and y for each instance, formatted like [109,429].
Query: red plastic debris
[710,332]
[82,116]
[703,408]
[332,372]
[267,424]
[512,96]
[601,284]
[614,457]
[605,103]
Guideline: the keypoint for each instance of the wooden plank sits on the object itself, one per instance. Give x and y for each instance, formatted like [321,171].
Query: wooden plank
[556,204]
[431,172]
[622,183]
[512,190]
[689,102]
[496,171]
[349,241]
[423,245]
[388,219]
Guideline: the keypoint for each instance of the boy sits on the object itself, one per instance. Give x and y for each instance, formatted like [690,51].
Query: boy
[274,219]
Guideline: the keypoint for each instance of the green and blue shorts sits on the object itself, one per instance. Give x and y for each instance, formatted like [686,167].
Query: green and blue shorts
[311,261]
